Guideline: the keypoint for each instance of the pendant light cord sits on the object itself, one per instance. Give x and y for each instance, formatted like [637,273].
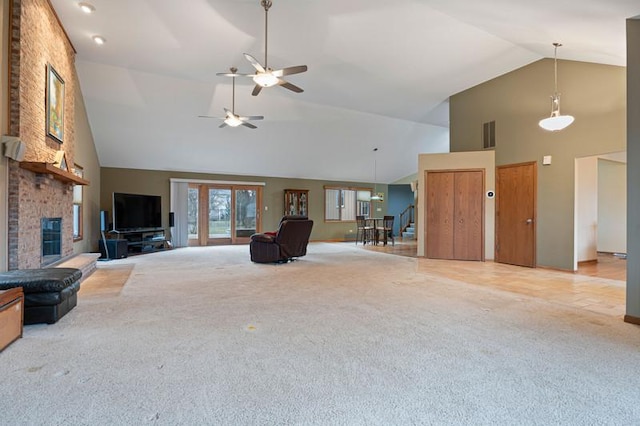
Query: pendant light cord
[555,67]
[375,171]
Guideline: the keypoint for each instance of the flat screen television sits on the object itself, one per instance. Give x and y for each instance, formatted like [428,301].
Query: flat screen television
[136,211]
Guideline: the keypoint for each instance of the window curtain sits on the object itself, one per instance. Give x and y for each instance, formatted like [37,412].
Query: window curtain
[179,200]
[349,205]
[332,204]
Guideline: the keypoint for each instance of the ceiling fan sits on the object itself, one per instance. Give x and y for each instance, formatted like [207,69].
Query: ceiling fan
[232,119]
[265,76]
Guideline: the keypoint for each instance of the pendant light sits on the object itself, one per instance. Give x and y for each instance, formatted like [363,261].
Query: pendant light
[556,122]
[377,196]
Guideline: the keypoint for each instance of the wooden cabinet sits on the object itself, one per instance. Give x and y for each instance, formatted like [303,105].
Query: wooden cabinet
[296,202]
[11,313]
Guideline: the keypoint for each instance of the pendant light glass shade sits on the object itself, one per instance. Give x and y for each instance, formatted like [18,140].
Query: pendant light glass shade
[556,121]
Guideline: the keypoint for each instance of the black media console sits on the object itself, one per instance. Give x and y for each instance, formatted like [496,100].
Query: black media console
[142,240]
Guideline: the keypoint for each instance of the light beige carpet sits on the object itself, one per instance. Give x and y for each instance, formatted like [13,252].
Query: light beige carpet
[342,336]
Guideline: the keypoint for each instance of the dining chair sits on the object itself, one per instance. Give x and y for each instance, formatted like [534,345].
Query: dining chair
[363,230]
[386,230]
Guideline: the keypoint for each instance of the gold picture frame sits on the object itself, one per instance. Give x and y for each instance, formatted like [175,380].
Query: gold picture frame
[55,104]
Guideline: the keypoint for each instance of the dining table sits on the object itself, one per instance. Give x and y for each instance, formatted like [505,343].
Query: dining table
[372,223]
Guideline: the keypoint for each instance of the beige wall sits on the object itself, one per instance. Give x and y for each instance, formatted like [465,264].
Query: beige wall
[457,161]
[612,206]
[87,157]
[593,93]
[586,209]
[157,183]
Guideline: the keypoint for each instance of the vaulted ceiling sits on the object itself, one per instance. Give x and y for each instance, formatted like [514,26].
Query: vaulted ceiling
[380,75]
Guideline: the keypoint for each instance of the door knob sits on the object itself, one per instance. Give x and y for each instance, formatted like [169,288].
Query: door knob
[529,221]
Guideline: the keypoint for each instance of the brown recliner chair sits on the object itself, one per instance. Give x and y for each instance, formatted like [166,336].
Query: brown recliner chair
[287,243]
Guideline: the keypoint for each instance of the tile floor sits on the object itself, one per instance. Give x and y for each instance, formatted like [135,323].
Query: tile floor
[596,286]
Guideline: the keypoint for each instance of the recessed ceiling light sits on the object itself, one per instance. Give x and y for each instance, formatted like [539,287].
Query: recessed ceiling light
[99,40]
[86,7]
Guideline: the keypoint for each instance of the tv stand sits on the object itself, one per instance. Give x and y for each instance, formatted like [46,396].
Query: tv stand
[140,241]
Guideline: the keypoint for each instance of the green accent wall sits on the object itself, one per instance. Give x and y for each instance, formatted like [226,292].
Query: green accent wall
[593,93]
[633,170]
[157,182]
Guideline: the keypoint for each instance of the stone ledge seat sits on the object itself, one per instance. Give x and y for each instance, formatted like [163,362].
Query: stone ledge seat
[49,293]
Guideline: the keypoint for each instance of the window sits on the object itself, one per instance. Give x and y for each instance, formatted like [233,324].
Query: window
[344,204]
[77,206]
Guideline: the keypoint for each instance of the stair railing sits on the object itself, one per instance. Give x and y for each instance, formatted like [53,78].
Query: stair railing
[407,218]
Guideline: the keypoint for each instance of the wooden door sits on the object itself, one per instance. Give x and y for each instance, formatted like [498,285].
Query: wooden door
[468,220]
[440,202]
[455,215]
[516,193]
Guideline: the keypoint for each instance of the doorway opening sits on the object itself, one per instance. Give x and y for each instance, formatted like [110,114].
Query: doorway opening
[600,212]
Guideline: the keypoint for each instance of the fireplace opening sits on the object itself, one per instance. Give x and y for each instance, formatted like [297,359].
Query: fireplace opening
[51,240]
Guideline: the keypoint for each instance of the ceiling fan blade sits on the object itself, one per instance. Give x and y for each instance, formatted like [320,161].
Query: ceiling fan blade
[289,70]
[251,117]
[222,125]
[249,125]
[207,116]
[254,62]
[232,74]
[256,90]
[290,86]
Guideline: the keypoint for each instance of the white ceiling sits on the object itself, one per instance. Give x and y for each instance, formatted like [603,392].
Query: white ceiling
[380,74]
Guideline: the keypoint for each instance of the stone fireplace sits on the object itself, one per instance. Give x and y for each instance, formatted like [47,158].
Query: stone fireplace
[40,208]
[37,188]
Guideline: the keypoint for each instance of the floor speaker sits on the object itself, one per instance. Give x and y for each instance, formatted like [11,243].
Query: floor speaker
[172,219]
[104,220]
[117,249]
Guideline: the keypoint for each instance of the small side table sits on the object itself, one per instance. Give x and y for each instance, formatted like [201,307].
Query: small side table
[11,316]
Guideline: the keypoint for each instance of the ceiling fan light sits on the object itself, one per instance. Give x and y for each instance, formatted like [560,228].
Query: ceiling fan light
[556,122]
[233,121]
[265,79]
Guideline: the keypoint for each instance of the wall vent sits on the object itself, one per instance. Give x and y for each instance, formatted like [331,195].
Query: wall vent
[489,135]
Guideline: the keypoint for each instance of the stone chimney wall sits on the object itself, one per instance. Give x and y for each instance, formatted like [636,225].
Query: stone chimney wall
[38,39]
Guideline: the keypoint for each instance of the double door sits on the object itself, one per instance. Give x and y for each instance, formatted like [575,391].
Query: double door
[223,214]
[455,214]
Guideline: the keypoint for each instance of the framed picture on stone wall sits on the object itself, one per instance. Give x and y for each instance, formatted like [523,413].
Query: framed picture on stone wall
[55,105]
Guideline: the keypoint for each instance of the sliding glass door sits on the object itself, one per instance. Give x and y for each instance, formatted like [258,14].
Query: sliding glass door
[223,214]
[246,213]
[219,214]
